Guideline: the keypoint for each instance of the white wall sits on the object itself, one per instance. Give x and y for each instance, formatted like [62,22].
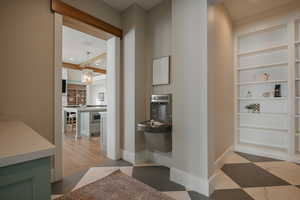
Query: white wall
[98,85]
[189,38]
[221,83]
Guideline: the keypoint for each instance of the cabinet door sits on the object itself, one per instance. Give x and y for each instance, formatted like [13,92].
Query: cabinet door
[26,181]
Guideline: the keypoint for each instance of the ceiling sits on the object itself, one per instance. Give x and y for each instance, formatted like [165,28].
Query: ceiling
[123,4]
[241,9]
[76,45]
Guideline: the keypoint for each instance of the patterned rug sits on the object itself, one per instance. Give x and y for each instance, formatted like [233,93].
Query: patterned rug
[116,186]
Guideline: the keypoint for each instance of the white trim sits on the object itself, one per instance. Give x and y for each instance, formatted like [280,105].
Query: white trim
[282,46]
[113,75]
[58,160]
[282,64]
[113,98]
[161,159]
[128,156]
[142,157]
[190,181]
[263,152]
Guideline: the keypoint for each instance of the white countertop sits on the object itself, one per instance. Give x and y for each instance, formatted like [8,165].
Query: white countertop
[86,109]
[19,143]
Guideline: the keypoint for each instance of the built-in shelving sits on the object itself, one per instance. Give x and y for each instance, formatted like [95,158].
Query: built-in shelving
[263,99]
[270,127]
[263,114]
[272,48]
[262,128]
[262,66]
[262,82]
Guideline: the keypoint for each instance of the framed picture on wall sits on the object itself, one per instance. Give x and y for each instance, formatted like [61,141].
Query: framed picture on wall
[161,71]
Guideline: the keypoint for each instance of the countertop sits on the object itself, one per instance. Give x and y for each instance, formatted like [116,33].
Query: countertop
[85,109]
[19,143]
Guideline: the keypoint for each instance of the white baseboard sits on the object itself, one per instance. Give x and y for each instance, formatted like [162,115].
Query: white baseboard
[190,181]
[128,156]
[164,159]
[263,152]
[142,157]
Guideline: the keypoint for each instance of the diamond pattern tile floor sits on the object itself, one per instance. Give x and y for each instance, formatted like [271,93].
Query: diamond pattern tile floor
[231,194]
[250,175]
[157,177]
[243,177]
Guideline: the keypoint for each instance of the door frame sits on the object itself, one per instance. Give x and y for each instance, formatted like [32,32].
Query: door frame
[113,108]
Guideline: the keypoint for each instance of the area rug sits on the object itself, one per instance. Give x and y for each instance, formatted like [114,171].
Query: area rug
[116,186]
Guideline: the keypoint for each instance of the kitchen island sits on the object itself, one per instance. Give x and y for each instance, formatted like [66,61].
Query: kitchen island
[80,119]
[25,162]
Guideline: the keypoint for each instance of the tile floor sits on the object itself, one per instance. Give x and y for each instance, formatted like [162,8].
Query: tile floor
[243,177]
[249,177]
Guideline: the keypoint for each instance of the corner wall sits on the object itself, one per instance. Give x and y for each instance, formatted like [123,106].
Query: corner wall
[220,83]
[189,41]
[134,81]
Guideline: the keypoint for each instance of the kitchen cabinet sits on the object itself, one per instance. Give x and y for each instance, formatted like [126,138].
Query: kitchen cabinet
[25,163]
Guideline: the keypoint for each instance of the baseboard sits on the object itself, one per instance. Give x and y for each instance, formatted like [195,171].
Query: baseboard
[52,175]
[128,156]
[164,159]
[263,152]
[190,181]
[142,157]
[218,164]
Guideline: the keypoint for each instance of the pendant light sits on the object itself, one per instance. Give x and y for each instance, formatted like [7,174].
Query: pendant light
[87,74]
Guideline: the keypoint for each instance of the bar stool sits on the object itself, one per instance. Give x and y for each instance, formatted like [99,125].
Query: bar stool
[72,120]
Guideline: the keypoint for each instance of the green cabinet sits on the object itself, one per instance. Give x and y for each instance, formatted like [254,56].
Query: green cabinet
[26,181]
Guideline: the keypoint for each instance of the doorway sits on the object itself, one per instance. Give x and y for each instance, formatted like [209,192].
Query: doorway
[71,134]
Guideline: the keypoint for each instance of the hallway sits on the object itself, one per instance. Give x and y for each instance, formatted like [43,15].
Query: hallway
[243,177]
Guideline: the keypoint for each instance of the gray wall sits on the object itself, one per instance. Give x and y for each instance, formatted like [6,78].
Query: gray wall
[190,103]
[134,77]
[27,75]
[159,43]
[221,82]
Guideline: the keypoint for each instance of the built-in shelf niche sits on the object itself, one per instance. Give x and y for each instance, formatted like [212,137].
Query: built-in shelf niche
[260,52]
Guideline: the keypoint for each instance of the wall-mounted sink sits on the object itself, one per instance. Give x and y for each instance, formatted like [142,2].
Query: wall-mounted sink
[152,126]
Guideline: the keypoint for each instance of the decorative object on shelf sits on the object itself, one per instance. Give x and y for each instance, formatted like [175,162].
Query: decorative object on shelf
[264,77]
[277,92]
[255,108]
[249,94]
[268,94]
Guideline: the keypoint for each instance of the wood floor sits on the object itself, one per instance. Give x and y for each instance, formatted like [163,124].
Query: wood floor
[80,154]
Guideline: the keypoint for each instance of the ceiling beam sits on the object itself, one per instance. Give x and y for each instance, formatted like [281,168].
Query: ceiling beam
[94,59]
[66,10]
[78,67]
[86,28]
